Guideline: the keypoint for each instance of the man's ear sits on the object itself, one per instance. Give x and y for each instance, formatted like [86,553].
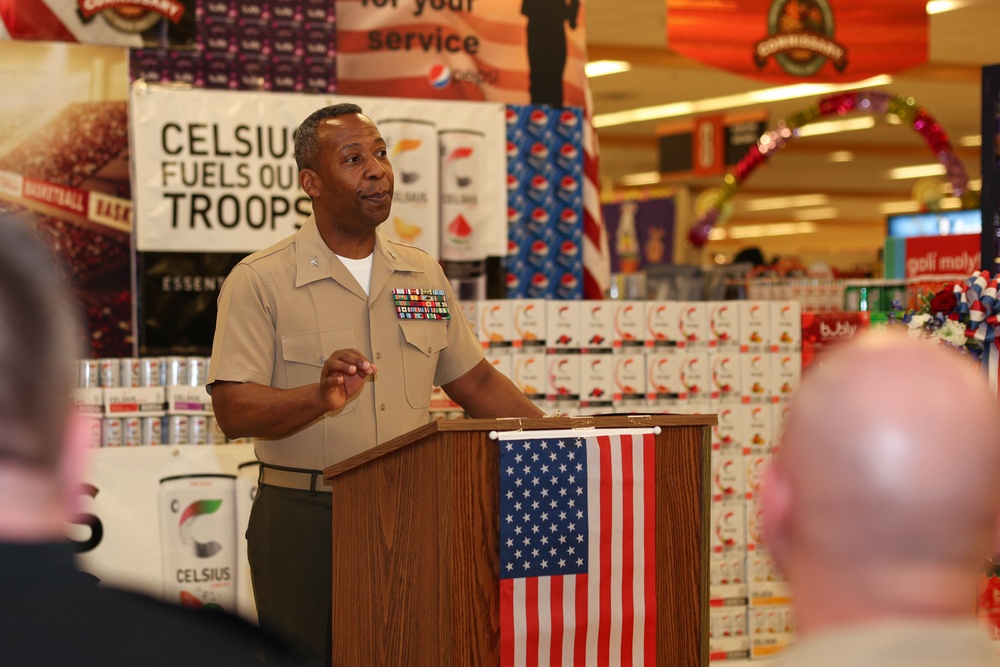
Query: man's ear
[74,464]
[309,180]
[776,503]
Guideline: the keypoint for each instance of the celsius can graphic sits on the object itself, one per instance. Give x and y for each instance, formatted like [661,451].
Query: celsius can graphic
[198,430]
[178,430]
[108,369]
[128,371]
[198,540]
[88,374]
[462,226]
[175,371]
[149,372]
[197,371]
[413,154]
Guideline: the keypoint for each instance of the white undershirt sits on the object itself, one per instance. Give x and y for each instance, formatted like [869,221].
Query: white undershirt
[361,269]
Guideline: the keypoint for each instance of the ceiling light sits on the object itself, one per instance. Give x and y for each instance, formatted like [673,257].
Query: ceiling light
[971,140]
[833,126]
[950,203]
[641,178]
[827,213]
[778,203]
[917,171]
[605,67]
[840,156]
[752,98]
[772,229]
[942,6]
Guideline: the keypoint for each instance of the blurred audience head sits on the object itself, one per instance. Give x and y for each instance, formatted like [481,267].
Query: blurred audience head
[884,497]
[38,349]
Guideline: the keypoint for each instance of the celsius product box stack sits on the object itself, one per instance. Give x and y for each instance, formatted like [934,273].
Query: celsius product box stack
[135,401]
[544,202]
[738,359]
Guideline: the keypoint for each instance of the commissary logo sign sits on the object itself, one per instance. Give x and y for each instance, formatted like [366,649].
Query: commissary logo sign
[800,38]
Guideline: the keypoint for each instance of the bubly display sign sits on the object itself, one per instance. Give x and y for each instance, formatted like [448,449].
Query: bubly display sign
[215,169]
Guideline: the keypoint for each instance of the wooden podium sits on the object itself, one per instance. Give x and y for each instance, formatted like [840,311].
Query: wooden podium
[416,555]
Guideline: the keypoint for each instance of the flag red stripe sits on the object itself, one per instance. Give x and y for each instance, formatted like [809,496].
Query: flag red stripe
[604,567]
[506,623]
[628,551]
[580,638]
[531,617]
[592,223]
[556,601]
[649,533]
[32,19]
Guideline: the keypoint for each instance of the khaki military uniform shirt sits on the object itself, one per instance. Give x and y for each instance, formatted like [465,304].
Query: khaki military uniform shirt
[284,310]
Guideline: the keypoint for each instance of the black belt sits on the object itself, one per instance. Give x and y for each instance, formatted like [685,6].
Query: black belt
[293,478]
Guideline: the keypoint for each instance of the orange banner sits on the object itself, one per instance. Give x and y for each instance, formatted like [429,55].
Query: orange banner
[833,41]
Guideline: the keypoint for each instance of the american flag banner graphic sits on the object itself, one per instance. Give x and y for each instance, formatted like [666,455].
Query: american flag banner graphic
[577,548]
[596,248]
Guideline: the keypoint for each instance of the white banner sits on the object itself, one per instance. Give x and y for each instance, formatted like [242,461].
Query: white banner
[215,169]
[170,522]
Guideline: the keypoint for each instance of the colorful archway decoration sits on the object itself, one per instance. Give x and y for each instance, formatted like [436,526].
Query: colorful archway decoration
[840,104]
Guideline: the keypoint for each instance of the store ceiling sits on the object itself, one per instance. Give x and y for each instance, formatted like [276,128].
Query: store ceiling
[948,87]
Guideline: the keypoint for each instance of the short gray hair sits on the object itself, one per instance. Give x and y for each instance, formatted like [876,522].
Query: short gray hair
[306,141]
[40,340]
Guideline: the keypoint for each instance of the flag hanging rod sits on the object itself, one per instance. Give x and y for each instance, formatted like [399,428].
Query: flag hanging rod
[585,431]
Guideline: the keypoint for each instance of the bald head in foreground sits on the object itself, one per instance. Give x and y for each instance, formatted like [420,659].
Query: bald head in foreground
[883,504]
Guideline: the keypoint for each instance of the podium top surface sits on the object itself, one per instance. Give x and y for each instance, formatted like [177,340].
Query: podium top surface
[523,424]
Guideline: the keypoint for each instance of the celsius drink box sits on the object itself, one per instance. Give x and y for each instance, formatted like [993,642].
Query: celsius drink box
[413,152]
[463,248]
[198,540]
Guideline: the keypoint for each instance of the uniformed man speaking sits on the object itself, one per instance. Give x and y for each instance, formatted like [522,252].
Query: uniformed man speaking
[315,359]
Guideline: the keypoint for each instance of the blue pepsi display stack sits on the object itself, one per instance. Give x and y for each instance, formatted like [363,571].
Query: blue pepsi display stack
[544,202]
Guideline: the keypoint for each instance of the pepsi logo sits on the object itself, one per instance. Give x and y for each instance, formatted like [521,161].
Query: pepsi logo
[511,116]
[539,151]
[513,282]
[540,281]
[540,216]
[538,118]
[540,248]
[511,150]
[569,217]
[511,182]
[568,153]
[439,76]
[568,120]
[569,249]
[568,281]
[513,215]
[512,247]
[569,184]
[539,183]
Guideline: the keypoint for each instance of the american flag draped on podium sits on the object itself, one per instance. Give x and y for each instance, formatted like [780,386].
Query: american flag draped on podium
[577,548]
